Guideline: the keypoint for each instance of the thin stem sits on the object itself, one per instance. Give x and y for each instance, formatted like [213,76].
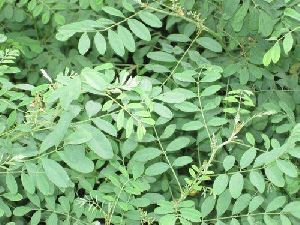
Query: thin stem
[240,171]
[116,201]
[202,111]
[249,146]
[167,159]
[47,6]
[63,214]
[180,60]
[118,23]
[124,108]
[243,215]
[172,14]
[198,24]
[296,28]
[113,25]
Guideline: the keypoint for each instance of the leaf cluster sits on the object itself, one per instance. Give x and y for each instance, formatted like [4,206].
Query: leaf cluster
[149,112]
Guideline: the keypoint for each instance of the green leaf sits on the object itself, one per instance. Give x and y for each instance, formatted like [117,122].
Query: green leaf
[177,144]
[287,167]
[43,184]
[105,126]
[208,206]
[250,138]
[128,5]
[212,89]
[241,203]
[36,218]
[12,118]
[293,208]
[223,203]
[168,131]
[185,76]
[139,29]
[288,42]
[295,152]
[258,180]
[126,38]
[276,203]
[192,125]
[120,119]
[216,121]
[148,121]
[267,57]
[8,10]
[162,110]
[11,183]
[94,79]
[128,146]
[169,219]
[3,38]
[104,66]
[244,76]
[275,175]
[71,155]
[247,157]
[266,23]
[234,222]
[84,4]
[161,56]
[269,156]
[46,17]
[100,43]
[52,219]
[210,76]
[141,131]
[220,184]
[190,214]
[255,203]
[116,43]
[59,19]
[92,108]
[228,162]
[292,13]
[236,185]
[239,17]
[150,19]
[187,107]
[178,38]
[182,161]
[21,210]
[56,173]
[56,136]
[210,44]
[129,127]
[285,220]
[275,52]
[37,10]
[84,43]
[157,169]
[172,97]
[113,11]
[230,7]
[28,183]
[268,220]
[146,154]
[77,137]
[99,143]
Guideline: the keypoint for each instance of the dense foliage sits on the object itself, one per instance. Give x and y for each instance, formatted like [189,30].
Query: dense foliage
[160,112]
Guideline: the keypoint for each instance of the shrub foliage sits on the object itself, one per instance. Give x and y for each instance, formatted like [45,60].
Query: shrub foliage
[149,112]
